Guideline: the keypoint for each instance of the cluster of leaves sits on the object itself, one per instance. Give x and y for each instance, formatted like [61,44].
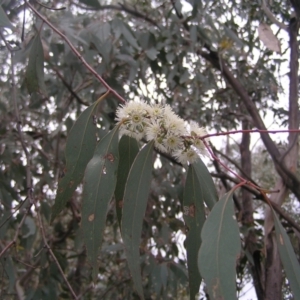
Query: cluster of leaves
[220,239]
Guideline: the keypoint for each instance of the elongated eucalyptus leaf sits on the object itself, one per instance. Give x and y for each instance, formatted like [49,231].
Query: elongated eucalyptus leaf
[194,217]
[134,206]
[208,189]
[288,257]
[80,147]
[128,149]
[99,185]
[34,76]
[219,250]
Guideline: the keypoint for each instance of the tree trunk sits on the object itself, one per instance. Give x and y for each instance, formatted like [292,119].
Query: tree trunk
[247,214]
[273,268]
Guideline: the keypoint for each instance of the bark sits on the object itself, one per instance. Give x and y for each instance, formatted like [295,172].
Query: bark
[247,214]
[274,277]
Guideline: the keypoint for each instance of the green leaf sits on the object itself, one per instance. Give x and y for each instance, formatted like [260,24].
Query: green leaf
[207,186]
[288,257]
[134,207]
[99,185]
[220,249]
[179,272]
[34,76]
[151,53]
[129,36]
[80,147]
[194,217]
[4,20]
[128,149]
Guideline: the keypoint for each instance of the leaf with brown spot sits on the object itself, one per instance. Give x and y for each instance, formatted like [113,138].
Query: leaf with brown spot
[194,218]
[219,249]
[134,207]
[98,191]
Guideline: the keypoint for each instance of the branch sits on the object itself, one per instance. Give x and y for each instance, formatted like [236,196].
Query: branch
[224,182]
[80,57]
[122,8]
[292,157]
[10,216]
[289,178]
[259,196]
[250,131]
[69,87]
[233,162]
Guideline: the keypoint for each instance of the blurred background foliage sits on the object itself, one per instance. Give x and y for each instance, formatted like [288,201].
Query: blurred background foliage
[149,50]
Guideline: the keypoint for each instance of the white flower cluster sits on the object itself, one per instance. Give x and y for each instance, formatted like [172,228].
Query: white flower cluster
[159,123]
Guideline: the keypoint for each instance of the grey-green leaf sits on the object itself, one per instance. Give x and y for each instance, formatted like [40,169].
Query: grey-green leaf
[194,217]
[219,250]
[288,257]
[128,149]
[4,20]
[34,76]
[208,189]
[134,207]
[99,185]
[81,143]
[128,35]
[151,53]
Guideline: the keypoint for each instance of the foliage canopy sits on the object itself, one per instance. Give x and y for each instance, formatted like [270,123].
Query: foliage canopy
[85,213]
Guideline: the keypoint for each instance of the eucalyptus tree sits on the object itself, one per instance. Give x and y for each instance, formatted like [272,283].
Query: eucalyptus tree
[86,213]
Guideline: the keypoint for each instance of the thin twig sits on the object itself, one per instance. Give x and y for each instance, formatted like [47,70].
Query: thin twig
[48,7]
[233,162]
[107,86]
[250,131]
[11,243]
[214,157]
[89,287]
[52,254]
[259,196]
[69,87]
[15,210]
[14,240]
